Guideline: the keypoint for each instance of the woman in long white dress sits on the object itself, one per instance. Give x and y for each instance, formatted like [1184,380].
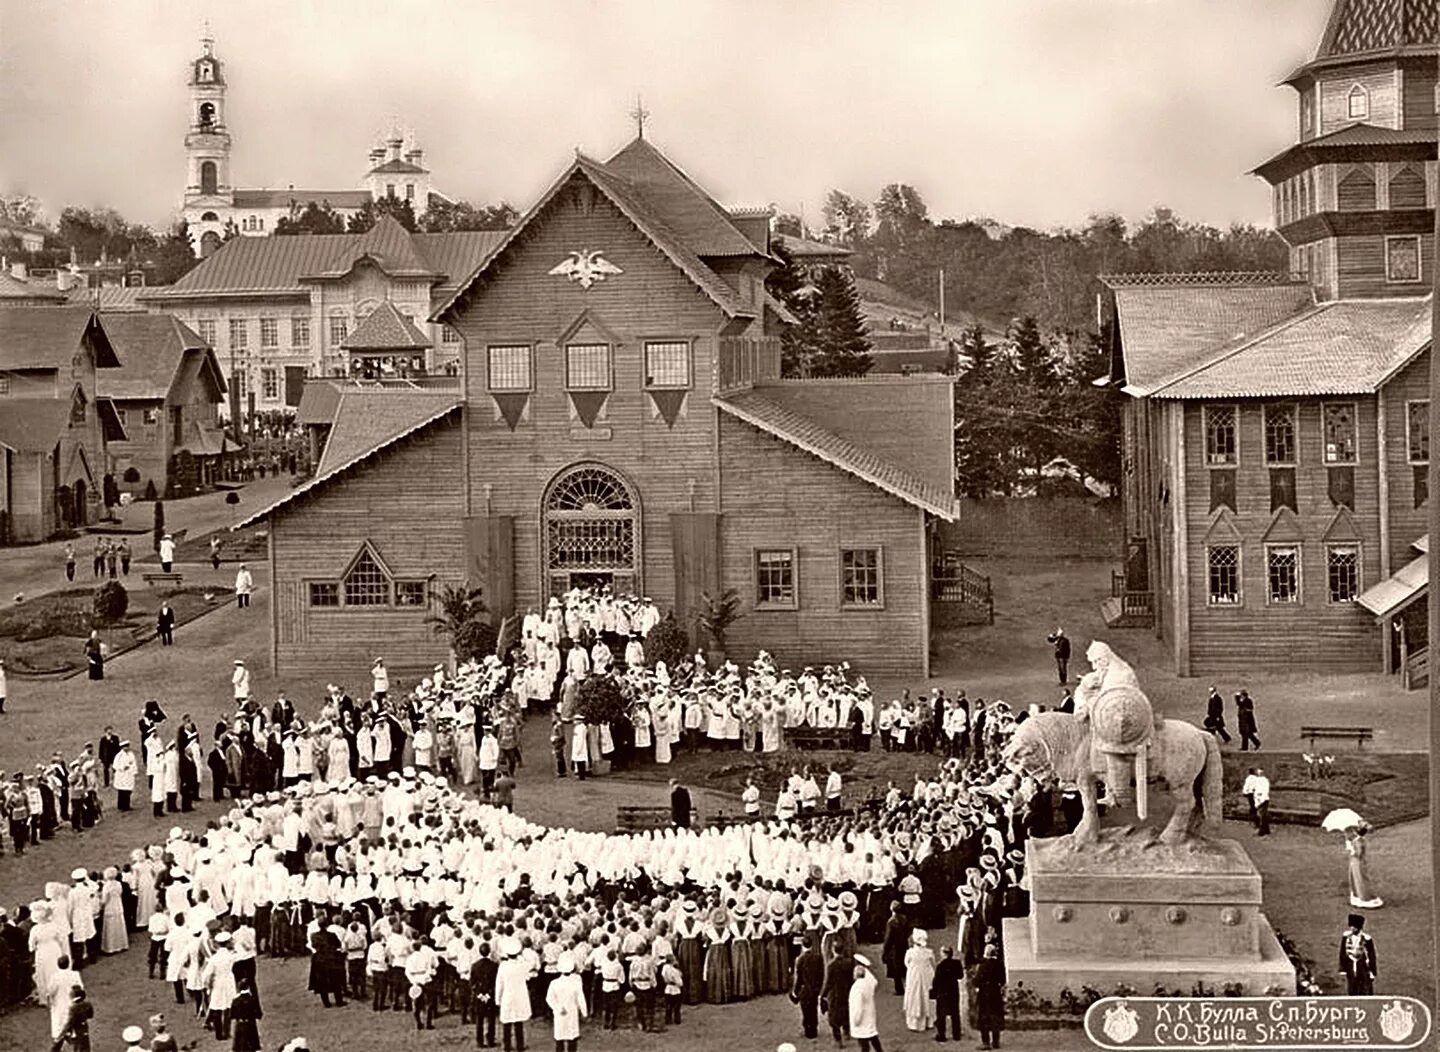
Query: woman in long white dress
[113,937]
[919,976]
[466,755]
[47,945]
[661,723]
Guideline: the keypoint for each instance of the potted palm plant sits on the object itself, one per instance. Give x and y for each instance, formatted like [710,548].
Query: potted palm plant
[715,616]
[463,620]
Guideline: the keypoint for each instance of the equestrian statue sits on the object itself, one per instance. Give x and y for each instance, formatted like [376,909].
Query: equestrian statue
[1116,734]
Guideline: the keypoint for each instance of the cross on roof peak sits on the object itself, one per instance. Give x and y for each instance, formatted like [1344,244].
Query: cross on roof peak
[639,115]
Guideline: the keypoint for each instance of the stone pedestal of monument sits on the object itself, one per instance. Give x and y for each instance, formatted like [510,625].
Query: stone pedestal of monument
[1132,911]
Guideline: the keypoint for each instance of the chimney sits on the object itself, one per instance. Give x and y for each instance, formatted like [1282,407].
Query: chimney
[18,271]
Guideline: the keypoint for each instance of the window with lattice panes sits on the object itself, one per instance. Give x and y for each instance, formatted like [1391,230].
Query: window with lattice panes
[775,577]
[410,593]
[366,584]
[1339,432]
[1224,575]
[239,334]
[860,583]
[339,329]
[587,366]
[509,367]
[667,363]
[324,593]
[269,332]
[1343,571]
[270,384]
[299,332]
[1280,433]
[1282,572]
[1417,432]
[205,329]
[1221,448]
[1402,258]
[449,335]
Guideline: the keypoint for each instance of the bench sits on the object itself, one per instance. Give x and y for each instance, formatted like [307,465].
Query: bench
[1359,735]
[633,819]
[172,579]
[820,738]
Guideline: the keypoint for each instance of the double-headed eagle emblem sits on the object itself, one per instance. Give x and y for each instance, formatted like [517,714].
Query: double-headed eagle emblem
[587,267]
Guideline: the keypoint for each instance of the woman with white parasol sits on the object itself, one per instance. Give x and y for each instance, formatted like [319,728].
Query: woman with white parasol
[1355,829]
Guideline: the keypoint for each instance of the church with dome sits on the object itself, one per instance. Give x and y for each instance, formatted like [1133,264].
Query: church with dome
[212,202]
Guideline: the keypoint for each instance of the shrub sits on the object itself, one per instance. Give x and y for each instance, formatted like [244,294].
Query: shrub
[474,640]
[150,493]
[159,528]
[600,700]
[132,475]
[667,642]
[111,602]
[232,497]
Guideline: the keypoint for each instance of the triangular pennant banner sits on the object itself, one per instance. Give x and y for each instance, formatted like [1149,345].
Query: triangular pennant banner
[511,406]
[669,403]
[587,405]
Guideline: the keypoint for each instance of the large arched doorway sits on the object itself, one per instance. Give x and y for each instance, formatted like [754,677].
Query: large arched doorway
[590,531]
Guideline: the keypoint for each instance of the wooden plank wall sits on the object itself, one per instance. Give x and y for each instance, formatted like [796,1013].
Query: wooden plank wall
[670,468]
[772,494]
[490,561]
[1407,522]
[695,543]
[1313,633]
[1361,267]
[406,503]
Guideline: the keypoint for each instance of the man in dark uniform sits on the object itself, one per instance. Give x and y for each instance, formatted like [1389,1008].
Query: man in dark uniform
[805,991]
[1357,957]
[1061,642]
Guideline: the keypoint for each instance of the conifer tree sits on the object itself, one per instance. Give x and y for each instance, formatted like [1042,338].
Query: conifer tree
[844,348]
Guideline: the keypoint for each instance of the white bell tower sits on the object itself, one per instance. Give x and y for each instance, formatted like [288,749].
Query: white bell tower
[208,191]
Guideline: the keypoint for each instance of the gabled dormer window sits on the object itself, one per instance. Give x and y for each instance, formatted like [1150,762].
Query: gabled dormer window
[368,582]
[1358,103]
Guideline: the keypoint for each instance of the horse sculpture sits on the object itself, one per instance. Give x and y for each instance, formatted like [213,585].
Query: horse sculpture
[1114,733]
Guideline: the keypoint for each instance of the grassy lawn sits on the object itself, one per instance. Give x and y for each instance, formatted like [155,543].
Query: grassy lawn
[1384,788]
[1304,869]
[46,635]
[250,545]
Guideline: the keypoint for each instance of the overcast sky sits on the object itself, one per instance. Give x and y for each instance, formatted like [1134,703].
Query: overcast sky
[1034,112]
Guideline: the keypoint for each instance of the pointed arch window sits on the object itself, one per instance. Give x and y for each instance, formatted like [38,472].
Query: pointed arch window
[366,583]
[1358,103]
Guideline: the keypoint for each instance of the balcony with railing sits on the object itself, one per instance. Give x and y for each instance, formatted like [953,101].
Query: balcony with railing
[743,361]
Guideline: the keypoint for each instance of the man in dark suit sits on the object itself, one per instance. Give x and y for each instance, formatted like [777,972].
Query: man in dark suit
[679,805]
[1061,642]
[482,987]
[809,980]
[945,989]
[165,624]
[835,996]
[1215,716]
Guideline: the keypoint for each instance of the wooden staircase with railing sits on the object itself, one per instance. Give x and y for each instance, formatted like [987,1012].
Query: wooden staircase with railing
[960,595]
[1416,673]
[1131,603]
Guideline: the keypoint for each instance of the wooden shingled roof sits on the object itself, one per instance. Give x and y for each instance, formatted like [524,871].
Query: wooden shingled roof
[48,337]
[386,329]
[1167,327]
[834,422]
[1339,348]
[152,349]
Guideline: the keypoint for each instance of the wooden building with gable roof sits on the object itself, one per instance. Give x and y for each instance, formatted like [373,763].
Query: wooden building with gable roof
[1276,437]
[54,425]
[621,420]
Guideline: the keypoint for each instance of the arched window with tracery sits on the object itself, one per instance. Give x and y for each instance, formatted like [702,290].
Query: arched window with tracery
[590,530]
